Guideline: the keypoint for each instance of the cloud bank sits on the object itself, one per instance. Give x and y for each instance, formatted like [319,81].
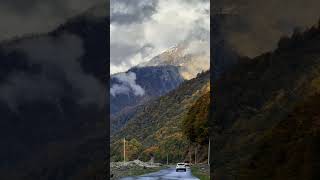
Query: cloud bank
[19,17]
[57,59]
[126,84]
[257,25]
[139,31]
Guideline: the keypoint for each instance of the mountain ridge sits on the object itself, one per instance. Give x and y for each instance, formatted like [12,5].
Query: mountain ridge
[189,63]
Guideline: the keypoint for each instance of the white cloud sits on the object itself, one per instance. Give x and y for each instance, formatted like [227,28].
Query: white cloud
[172,22]
[127,83]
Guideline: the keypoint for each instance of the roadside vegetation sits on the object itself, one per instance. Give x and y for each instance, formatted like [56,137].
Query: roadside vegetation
[201,171]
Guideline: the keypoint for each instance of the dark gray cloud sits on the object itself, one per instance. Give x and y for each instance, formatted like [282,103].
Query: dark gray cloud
[257,25]
[20,17]
[128,11]
[59,60]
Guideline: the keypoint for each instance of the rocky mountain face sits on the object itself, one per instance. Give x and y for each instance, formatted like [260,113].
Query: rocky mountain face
[140,84]
[156,126]
[136,87]
[190,60]
[265,116]
[52,102]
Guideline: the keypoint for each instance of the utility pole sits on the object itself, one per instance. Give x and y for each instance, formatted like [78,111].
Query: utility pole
[195,156]
[209,153]
[124,149]
[190,154]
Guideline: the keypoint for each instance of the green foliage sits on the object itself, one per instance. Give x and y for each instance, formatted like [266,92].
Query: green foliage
[195,124]
[157,124]
[133,149]
[290,149]
[198,172]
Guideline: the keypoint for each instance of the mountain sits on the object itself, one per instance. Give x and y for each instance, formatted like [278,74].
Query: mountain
[190,60]
[140,84]
[153,79]
[157,124]
[136,87]
[265,116]
[53,117]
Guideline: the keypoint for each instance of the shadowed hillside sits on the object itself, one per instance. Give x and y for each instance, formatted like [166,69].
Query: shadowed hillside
[264,122]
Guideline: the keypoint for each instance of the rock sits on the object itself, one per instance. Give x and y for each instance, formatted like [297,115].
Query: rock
[119,169]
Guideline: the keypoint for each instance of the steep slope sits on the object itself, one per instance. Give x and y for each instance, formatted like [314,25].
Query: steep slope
[195,123]
[50,119]
[195,128]
[137,86]
[154,78]
[292,145]
[157,124]
[140,84]
[257,102]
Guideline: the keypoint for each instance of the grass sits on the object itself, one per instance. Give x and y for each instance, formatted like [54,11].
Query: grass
[198,172]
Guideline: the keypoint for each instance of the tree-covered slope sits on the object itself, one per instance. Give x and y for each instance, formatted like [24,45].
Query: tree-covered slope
[157,125]
[289,150]
[152,81]
[254,104]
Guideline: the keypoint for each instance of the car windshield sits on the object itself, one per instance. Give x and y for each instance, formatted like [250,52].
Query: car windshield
[180,164]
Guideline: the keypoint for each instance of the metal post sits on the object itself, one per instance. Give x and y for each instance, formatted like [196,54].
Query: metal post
[209,153]
[195,156]
[190,154]
[124,149]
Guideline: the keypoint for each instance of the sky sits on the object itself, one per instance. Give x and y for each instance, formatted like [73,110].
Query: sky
[140,30]
[19,17]
[257,25]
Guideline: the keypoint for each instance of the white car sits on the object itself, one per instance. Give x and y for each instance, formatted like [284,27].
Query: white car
[181,167]
[187,164]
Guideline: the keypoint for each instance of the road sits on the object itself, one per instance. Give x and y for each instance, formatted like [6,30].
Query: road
[165,174]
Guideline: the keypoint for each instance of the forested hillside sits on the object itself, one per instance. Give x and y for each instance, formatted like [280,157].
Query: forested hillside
[265,122]
[156,129]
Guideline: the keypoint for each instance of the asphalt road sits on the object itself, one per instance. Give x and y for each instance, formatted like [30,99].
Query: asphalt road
[165,174]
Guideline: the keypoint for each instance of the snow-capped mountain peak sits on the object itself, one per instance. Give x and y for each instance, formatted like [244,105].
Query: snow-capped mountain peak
[189,62]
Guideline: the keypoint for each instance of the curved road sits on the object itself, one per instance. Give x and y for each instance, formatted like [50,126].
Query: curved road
[168,174]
